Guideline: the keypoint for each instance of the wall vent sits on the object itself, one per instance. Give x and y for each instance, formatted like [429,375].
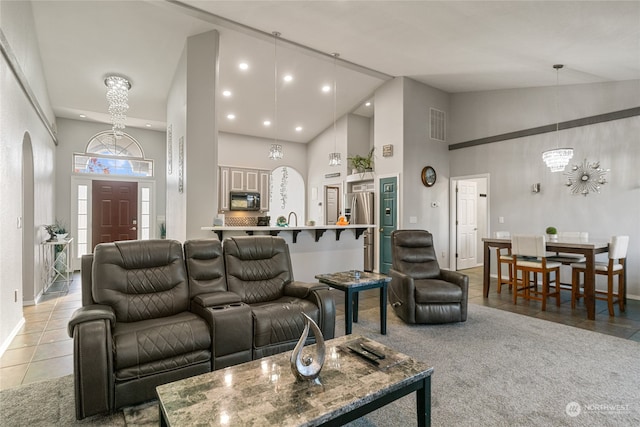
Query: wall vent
[437,124]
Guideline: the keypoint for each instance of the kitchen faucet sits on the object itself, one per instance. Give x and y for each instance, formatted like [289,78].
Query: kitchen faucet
[289,218]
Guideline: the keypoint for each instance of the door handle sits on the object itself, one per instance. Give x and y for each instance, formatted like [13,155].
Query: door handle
[381,229]
[133,229]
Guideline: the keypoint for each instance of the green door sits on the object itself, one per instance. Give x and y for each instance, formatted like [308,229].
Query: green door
[388,220]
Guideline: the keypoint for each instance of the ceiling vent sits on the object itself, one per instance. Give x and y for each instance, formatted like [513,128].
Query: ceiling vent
[437,124]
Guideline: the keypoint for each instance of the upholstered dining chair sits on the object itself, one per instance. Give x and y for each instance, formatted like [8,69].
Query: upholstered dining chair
[565,258]
[504,258]
[614,267]
[529,256]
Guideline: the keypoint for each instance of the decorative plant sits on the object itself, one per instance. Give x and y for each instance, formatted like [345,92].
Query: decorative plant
[57,228]
[163,230]
[551,230]
[362,163]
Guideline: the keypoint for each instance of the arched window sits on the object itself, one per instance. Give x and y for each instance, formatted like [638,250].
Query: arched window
[107,155]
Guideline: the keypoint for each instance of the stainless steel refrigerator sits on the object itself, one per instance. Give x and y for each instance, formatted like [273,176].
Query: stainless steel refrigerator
[360,209]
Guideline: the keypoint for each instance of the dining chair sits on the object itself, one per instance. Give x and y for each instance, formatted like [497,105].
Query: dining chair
[614,267]
[529,256]
[566,258]
[503,255]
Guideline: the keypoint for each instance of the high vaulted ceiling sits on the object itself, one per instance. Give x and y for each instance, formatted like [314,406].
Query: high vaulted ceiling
[450,45]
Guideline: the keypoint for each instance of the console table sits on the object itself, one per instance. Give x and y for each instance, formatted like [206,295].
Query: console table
[264,392]
[56,262]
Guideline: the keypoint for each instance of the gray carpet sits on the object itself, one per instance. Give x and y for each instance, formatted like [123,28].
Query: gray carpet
[496,369]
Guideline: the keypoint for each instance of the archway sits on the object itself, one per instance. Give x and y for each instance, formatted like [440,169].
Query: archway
[287,194]
[27,221]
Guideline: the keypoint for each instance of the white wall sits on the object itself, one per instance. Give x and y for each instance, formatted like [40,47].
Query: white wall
[515,165]
[18,120]
[253,152]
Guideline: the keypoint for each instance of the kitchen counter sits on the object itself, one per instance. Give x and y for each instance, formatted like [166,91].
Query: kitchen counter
[317,230]
[313,249]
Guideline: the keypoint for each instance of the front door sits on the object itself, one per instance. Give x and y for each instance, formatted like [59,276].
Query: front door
[467,220]
[388,220]
[115,211]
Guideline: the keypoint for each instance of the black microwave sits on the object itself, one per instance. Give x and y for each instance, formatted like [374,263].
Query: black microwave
[243,201]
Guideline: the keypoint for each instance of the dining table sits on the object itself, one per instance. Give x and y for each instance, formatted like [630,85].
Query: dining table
[589,248]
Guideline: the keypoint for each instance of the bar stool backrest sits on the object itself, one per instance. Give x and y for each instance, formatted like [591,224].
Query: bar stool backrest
[503,235]
[618,247]
[528,245]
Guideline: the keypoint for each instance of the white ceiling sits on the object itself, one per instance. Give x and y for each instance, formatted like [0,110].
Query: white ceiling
[453,46]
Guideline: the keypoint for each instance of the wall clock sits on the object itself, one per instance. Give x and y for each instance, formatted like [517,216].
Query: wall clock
[428,176]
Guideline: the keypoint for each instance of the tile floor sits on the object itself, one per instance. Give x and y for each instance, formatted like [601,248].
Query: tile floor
[43,350]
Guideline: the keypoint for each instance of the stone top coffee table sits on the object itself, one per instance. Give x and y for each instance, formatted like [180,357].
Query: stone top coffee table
[265,392]
[352,282]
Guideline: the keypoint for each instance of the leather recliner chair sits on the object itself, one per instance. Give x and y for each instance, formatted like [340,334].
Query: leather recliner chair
[258,269]
[419,291]
[135,330]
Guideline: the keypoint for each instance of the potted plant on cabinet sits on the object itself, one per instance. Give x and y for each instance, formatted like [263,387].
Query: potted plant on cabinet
[552,233]
[362,164]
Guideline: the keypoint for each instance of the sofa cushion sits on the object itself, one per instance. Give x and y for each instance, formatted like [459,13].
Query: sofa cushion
[165,339]
[429,291]
[281,320]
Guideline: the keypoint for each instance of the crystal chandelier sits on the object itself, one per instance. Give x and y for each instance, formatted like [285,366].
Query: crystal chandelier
[118,97]
[556,159]
[275,151]
[334,158]
[586,178]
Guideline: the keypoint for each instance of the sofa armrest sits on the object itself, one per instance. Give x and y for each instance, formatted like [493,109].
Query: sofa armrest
[302,289]
[90,313]
[401,292]
[93,372]
[212,299]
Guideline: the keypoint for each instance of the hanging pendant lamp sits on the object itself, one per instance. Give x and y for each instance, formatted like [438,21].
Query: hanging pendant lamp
[558,158]
[275,151]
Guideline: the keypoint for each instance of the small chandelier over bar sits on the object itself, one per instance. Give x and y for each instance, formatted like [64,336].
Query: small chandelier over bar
[118,98]
[335,158]
[558,158]
[275,151]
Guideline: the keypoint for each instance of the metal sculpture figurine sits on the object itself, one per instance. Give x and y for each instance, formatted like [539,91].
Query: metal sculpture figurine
[308,368]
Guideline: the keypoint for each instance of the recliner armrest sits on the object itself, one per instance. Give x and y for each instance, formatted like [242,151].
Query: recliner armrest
[454,277]
[90,313]
[216,298]
[302,289]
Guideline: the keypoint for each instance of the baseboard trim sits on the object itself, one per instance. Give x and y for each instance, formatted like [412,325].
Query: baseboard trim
[11,336]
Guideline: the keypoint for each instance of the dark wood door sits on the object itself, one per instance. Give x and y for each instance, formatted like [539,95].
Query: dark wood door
[115,211]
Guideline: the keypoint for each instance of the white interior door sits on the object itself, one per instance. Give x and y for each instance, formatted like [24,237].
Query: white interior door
[467,220]
[332,204]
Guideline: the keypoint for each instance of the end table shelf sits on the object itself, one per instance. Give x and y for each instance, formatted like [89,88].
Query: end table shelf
[56,263]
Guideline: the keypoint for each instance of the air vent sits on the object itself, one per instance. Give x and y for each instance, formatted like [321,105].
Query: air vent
[437,121]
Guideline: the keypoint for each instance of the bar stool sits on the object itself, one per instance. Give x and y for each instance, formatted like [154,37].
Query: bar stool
[617,252]
[503,256]
[528,253]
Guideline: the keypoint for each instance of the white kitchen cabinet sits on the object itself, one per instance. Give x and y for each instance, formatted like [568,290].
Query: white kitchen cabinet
[243,179]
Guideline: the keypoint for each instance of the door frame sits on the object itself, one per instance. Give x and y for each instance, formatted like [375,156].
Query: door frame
[87,179]
[376,217]
[453,207]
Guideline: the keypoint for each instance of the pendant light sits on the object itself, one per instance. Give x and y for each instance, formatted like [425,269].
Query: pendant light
[556,159]
[275,151]
[334,158]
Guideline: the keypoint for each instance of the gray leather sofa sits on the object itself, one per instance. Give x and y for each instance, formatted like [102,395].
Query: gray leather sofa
[156,311]
[419,291]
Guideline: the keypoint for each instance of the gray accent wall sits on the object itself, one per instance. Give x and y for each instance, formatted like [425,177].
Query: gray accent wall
[515,165]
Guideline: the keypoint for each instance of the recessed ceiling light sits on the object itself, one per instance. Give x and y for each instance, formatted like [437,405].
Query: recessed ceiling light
[243,66]
[231,116]
[266,123]
[298,128]
[326,88]
[148,125]
[287,78]
[83,116]
[368,104]
[226,93]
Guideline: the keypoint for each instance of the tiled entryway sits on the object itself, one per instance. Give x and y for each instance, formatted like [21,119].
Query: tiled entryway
[43,349]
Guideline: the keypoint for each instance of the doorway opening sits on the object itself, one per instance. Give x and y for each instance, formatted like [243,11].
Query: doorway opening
[27,222]
[469,220]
